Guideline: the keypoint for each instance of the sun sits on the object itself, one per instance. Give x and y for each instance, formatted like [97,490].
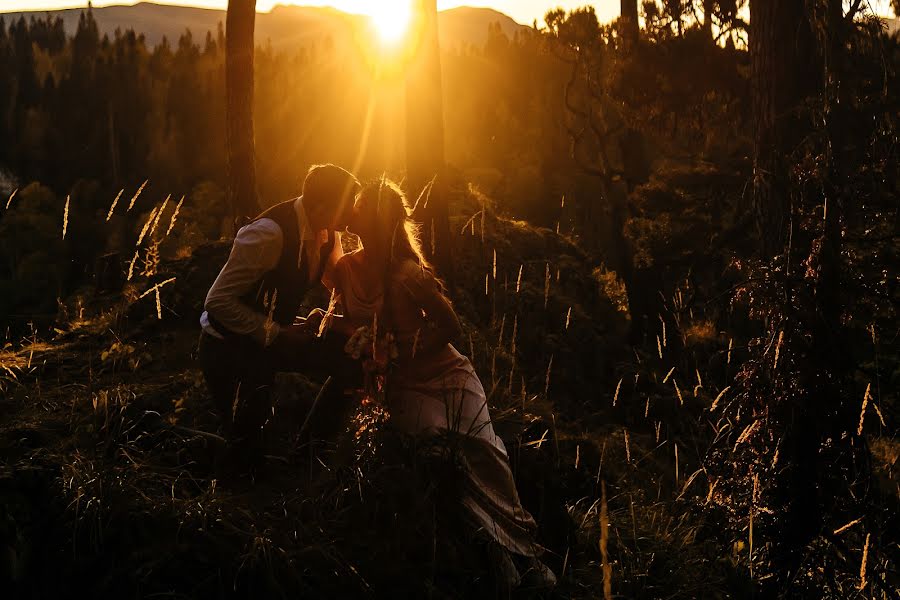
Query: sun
[391,19]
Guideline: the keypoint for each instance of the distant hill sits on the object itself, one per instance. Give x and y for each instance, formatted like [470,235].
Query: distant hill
[283,26]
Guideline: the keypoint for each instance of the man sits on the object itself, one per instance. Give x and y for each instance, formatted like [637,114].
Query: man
[249,330]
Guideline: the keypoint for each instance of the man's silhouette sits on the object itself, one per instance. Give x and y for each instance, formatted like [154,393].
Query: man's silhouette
[249,330]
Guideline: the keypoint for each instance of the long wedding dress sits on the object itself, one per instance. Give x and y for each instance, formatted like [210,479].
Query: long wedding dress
[437,392]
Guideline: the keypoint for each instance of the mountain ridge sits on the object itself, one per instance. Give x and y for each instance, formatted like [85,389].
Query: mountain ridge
[283,25]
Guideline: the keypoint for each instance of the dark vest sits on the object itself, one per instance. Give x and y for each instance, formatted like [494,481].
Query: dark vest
[281,290]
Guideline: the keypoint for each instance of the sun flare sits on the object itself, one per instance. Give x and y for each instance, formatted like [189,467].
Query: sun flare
[391,19]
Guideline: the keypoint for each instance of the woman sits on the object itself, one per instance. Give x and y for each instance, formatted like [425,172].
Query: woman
[431,389]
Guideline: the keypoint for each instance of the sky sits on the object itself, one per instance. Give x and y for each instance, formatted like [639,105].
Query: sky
[523,11]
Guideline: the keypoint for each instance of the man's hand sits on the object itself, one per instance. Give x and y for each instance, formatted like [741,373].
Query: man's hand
[292,339]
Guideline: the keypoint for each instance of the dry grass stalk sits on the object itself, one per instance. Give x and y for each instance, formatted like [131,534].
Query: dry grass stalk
[237,401]
[174,216]
[112,206]
[65,218]
[502,327]
[158,306]
[604,544]
[647,407]
[663,321]
[669,374]
[546,285]
[778,348]
[659,347]
[512,349]
[840,530]
[486,283]
[627,446]
[146,226]
[862,567]
[719,397]
[750,545]
[730,346]
[159,214]
[547,379]
[494,266]
[11,196]
[678,391]
[131,264]
[577,455]
[156,287]
[329,315]
[748,431]
[712,488]
[616,395]
[433,240]
[568,318]
[878,412]
[136,194]
[519,279]
[862,412]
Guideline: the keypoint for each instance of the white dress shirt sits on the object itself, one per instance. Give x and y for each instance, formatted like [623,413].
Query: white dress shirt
[255,252]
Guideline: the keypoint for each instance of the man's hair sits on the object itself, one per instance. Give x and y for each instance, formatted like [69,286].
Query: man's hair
[329,185]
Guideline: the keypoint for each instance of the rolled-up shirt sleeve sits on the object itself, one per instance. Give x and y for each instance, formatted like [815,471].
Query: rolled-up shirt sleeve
[255,252]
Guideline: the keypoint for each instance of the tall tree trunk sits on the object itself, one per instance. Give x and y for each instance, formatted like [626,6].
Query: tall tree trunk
[239,142]
[425,138]
[708,7]
[629,24]
[781,50]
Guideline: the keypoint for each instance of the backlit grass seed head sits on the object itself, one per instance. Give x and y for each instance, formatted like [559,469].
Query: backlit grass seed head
[669,374]
[174,216]
[719,397]
[136,194]
[11,196]
[862,412]
[112,207]
[65,218]
[131,264]
[778,348]
[159,214]
[146,226]
[862,567]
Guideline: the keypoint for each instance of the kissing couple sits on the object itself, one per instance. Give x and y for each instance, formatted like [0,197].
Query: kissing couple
[388,296]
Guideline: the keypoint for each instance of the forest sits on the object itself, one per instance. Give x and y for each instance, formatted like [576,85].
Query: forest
[671,240]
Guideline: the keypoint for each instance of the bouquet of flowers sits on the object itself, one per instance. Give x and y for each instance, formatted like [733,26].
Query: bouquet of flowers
[377,350]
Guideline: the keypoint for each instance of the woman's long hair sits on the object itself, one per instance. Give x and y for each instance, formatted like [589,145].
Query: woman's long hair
[396,234]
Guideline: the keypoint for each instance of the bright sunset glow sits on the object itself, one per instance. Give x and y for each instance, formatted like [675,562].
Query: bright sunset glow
[391,19]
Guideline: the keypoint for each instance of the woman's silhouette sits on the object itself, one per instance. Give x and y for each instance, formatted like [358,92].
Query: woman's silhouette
[431,388]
